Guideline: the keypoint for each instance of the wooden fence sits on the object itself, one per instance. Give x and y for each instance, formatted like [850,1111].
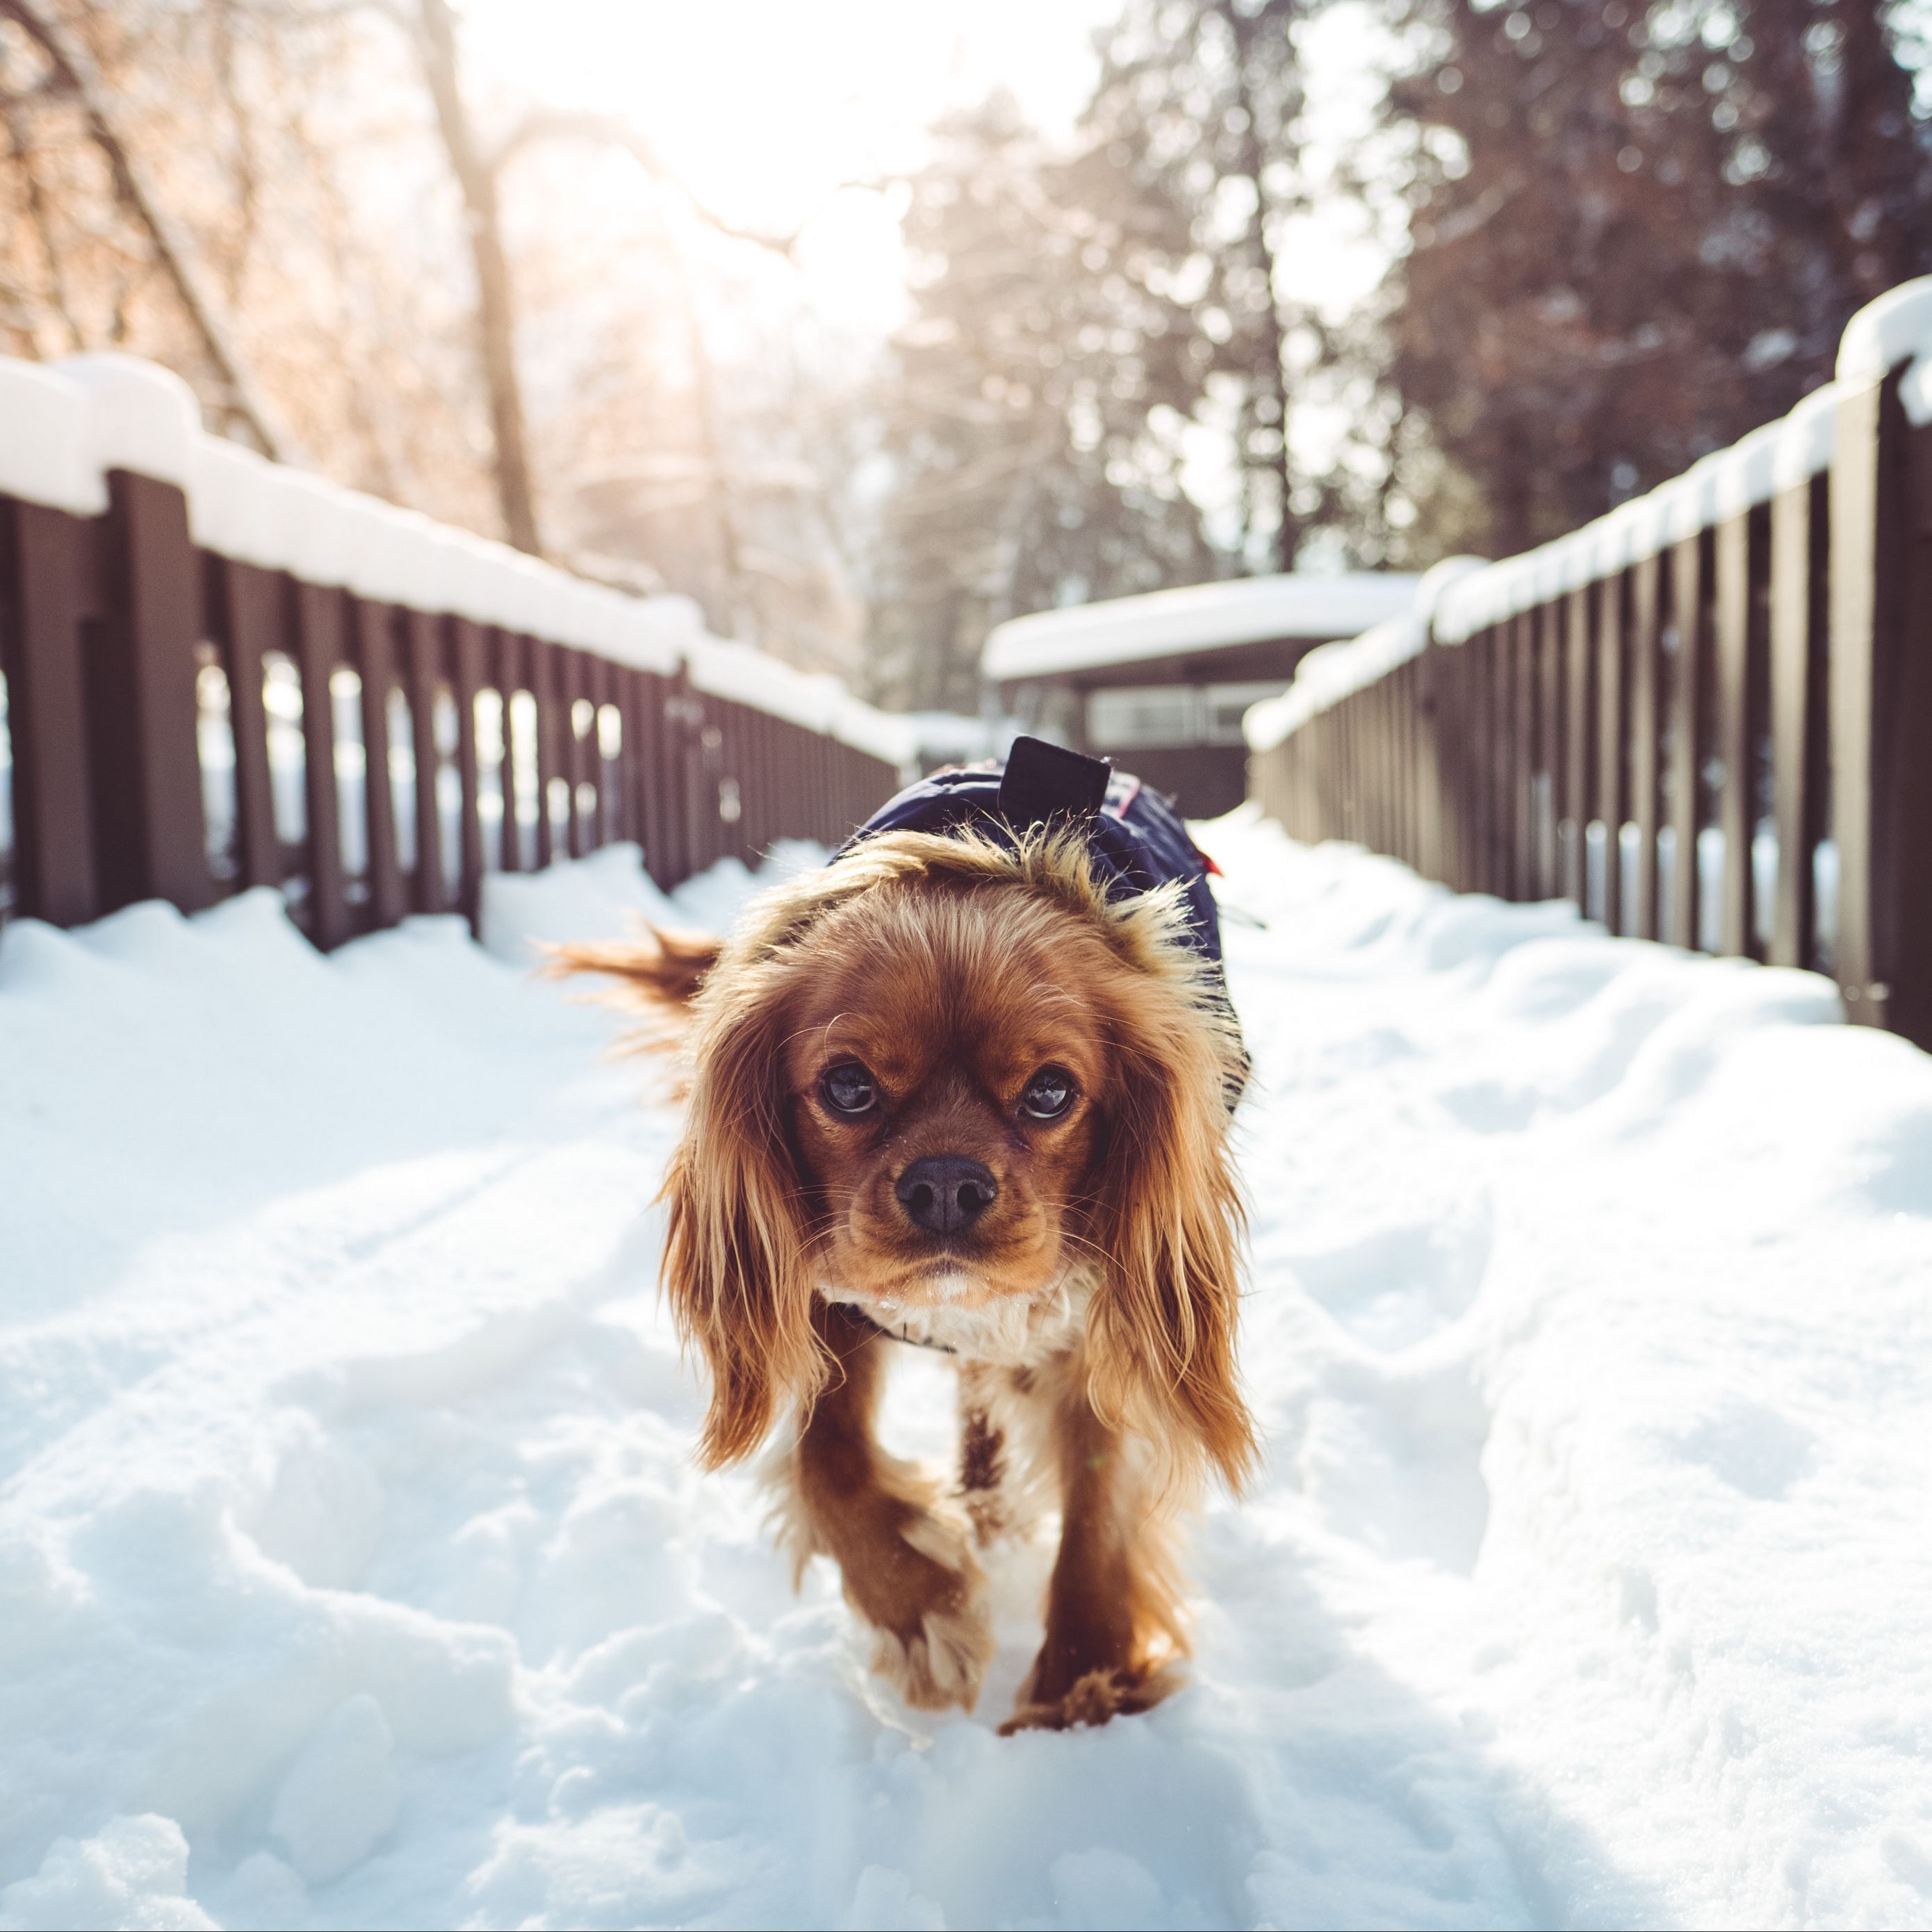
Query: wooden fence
[179,723]
[1706,719]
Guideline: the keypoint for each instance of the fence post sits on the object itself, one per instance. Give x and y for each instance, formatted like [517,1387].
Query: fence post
[1742,560]
[466,679]
[318,651]
[1645,596]
[1579,763]
[245,610]
[151,842]
[1526,872]
[1799,575]
[1613,718]
[41,606]
[1881,707]
[422,675]
[1690,604]
[374,625]
[1550,641]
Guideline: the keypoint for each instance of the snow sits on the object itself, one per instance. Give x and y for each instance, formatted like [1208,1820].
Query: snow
[1887,331]
[44,455]
[353,1568]
[1194,617]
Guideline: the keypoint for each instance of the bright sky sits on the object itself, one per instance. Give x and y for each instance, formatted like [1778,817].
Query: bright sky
[764,107]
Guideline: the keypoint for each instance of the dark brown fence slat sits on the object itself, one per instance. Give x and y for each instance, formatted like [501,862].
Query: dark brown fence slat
[538,671]
[1549,666]
[587,817]
[1613,697]
[374,630]
[42,606]
[660,832]
[564,748]
[1799,563]
[1881,709]
[468,653]
[319,626]
[1741,548]
[1523,876]
[1479,718]
[1642,599]
[1578,708]
[637,699]
[1689,589]
[1435,801]
[248,611]
[1444,689]
[151,839]
[422,643]
[600,681]
[510,674]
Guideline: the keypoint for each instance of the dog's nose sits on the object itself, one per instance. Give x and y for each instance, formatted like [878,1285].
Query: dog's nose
[945,1193]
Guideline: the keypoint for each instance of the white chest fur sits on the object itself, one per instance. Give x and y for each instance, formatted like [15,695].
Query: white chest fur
[1011,1332]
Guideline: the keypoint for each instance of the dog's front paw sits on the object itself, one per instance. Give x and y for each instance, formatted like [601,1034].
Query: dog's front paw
[926,1602]
[1093,1700]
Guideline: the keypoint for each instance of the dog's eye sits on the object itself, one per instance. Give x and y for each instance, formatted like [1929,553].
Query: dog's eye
[849,1089]
[1048,1094]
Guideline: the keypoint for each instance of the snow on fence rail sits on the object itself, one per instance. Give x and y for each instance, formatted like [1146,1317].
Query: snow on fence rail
[1738,666]
[218,672]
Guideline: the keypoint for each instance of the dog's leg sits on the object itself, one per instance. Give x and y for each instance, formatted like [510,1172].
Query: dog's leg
[984,1453]
[906,1564]
[1113,1621]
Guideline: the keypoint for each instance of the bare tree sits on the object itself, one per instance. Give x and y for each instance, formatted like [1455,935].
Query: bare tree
[476,177]
[478,170]
[74,72]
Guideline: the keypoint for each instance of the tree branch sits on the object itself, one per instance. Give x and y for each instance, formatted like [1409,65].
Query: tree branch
[495,313]
[613,130]
[76,70]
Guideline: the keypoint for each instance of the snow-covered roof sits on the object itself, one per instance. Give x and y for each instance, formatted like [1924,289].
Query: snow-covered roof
[1197,617]
[64,425]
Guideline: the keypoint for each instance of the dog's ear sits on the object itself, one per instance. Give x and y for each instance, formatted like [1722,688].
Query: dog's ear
[658,972]
[1161,1331]
[734,1268]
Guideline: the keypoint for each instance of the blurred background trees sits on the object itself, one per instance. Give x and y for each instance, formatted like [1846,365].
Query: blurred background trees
[1604,237]
[1636,234]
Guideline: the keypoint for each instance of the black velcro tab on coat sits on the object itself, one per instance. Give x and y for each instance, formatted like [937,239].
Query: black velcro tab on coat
[1044,781]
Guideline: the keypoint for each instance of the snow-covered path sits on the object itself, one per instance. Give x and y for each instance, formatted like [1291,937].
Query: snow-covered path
[352,1570]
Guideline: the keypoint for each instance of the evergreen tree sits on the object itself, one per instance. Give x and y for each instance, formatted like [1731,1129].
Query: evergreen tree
[1636,234]
[1200,102]
[1032,415]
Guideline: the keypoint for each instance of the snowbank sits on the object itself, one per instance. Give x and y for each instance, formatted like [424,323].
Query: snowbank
[353,1569]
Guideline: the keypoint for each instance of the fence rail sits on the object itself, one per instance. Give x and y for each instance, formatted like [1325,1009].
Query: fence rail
[216,673]
[1706,718]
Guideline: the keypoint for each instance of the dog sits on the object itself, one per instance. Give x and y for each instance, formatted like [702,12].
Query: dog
[969,1087]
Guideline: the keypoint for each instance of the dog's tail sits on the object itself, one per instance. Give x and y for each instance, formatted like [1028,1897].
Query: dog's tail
[656,974]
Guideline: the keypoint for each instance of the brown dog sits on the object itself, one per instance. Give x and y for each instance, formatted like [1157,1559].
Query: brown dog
[946,1091]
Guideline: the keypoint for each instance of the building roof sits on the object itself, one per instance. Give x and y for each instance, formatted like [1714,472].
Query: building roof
[1197,617]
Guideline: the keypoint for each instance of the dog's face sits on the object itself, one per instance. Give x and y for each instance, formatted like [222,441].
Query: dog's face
[948,1069]
[945,1072]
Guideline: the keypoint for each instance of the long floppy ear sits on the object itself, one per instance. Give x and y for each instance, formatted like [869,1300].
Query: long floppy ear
[1161,1331]
[734,1259]
[659,972]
